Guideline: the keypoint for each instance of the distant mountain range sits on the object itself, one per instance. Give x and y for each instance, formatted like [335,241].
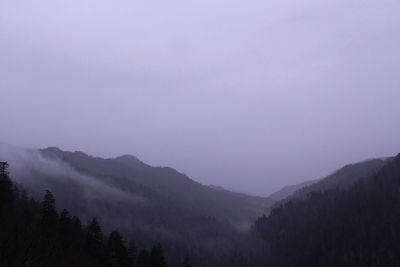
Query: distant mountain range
[159,204]
[153,204]
[126,171]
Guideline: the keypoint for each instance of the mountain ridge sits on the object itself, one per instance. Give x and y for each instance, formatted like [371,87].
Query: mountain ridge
[341,178]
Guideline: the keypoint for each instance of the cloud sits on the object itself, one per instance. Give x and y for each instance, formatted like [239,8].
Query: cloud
[35,172]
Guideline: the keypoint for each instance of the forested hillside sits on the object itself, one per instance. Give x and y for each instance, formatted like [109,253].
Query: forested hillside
[37,234]
[358,226]
[288,190]
[127,171]
[344,177]
[118,212]
[341,179]
[148,204]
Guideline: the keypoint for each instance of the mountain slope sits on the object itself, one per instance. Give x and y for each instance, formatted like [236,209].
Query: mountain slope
[357,226]
[36,234]
[344,177]
[150,204]
[166,181]
[289,190]
[341,179]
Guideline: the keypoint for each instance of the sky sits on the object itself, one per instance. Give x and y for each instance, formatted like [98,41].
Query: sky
[250,95]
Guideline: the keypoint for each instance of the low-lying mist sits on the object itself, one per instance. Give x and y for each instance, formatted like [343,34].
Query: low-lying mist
[36,173]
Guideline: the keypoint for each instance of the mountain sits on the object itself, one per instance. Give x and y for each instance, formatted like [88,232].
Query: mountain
[289,190]
[151,204]
[349,225]
[165,181]
[344,177]
[341,179]
[35,234]
[349,218]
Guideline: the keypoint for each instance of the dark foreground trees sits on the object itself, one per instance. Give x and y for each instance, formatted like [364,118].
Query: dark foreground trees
[35,234]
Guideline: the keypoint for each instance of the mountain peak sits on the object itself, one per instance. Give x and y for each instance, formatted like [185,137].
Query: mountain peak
[52,151]
[129,159]
[126,157]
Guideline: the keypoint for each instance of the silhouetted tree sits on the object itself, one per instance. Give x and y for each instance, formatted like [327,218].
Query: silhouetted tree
[143,259]
[65,221]
[49,213]
[65,229]
[132,251]
[157,256]
[186,262]
[118,253]
[6,191]
[76,225]
[94,240]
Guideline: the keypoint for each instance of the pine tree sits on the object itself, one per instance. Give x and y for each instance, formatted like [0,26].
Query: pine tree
[118,253]
[132,251]
[65,228]
[143,259]
[157,258]
[49,213]
[6,186]
[76,231]
[186,262]
[94,240]
[76,225]
[65,221]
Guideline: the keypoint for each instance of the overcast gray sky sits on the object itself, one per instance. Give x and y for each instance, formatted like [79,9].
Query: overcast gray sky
[250,95]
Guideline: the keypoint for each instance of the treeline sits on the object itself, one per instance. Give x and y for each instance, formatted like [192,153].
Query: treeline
[35,234]
[359,226]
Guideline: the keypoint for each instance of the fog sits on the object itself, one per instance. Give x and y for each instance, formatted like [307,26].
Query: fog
[35,174]
[251,96]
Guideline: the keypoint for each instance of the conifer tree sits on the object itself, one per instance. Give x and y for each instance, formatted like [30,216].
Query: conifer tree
[94,240]
[186,262]
[132,251]
[65,228]
[49,213]
[6,192]
[143,259]
[157,258]
[118,253]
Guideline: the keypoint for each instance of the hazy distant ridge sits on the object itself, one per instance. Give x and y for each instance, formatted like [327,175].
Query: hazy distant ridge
[342,178]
